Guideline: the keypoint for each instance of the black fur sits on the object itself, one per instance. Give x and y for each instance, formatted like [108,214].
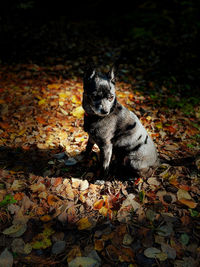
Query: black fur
[115,129]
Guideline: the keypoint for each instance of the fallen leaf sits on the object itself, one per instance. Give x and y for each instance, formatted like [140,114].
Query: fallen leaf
[84,185]
[83,224]
[151,252]
[127,240]
[41,102]
[41,120]
[184,239]
[171,252]
[69,192]
[18,185]
[78,112]
[52,200]
[83,262]
[6,258]
[182,194]
[171,147]
[165,230]
[45,218]
[98,204]
[58,181]
[54,86]
[15,230]
[41,241]
[98,244]
[73,253]
[126,255]
[161,256]
[18,196]
[38,187]
[188,202]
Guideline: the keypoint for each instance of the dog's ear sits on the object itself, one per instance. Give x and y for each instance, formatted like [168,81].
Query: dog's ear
[111,74]
[89,72]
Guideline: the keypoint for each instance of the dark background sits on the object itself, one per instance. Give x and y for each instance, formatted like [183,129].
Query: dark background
[155,41]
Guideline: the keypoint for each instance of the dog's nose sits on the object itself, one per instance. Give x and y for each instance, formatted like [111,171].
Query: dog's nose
[104,112]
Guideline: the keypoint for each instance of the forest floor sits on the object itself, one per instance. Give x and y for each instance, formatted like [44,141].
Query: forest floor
[53,210]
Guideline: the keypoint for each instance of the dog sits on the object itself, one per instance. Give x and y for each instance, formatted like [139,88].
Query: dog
[115,129]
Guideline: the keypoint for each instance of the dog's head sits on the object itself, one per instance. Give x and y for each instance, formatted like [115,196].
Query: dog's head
[99,92]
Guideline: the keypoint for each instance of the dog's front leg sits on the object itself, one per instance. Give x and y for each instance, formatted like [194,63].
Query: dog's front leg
[105,157]
[89,146]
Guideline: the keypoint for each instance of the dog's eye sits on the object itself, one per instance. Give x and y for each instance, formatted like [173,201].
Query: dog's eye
[110,98]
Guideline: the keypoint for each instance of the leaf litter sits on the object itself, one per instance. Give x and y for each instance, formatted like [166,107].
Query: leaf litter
[53,210]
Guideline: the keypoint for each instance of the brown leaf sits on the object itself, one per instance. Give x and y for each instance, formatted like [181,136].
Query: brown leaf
[98,244]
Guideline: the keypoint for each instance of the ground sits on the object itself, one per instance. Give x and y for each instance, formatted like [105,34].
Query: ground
[53,209]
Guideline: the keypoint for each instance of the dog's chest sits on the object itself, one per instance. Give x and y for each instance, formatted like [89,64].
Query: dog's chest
[100,129]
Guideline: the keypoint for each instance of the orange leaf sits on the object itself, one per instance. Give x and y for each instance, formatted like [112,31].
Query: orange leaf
[188,202]
[82,198]
[40,211]
[184,187]
[54,86]
[170,129]
[45,218]
[41,120]
[4,125]
[25,147]
[18,196]
[52,200]
[98,204]
[58,181]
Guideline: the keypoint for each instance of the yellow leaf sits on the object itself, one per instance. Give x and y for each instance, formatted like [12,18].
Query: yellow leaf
[61,103]
[73,253]
[103,211]
[41,102]
[69,192]
[149,118]
[64,95]
[78,112]
[159,125]
[41,241]
[75,100]
[82,198]
[83,224]
[22,132]
[54,86]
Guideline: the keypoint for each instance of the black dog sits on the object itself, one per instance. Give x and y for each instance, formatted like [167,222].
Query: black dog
[115,129]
